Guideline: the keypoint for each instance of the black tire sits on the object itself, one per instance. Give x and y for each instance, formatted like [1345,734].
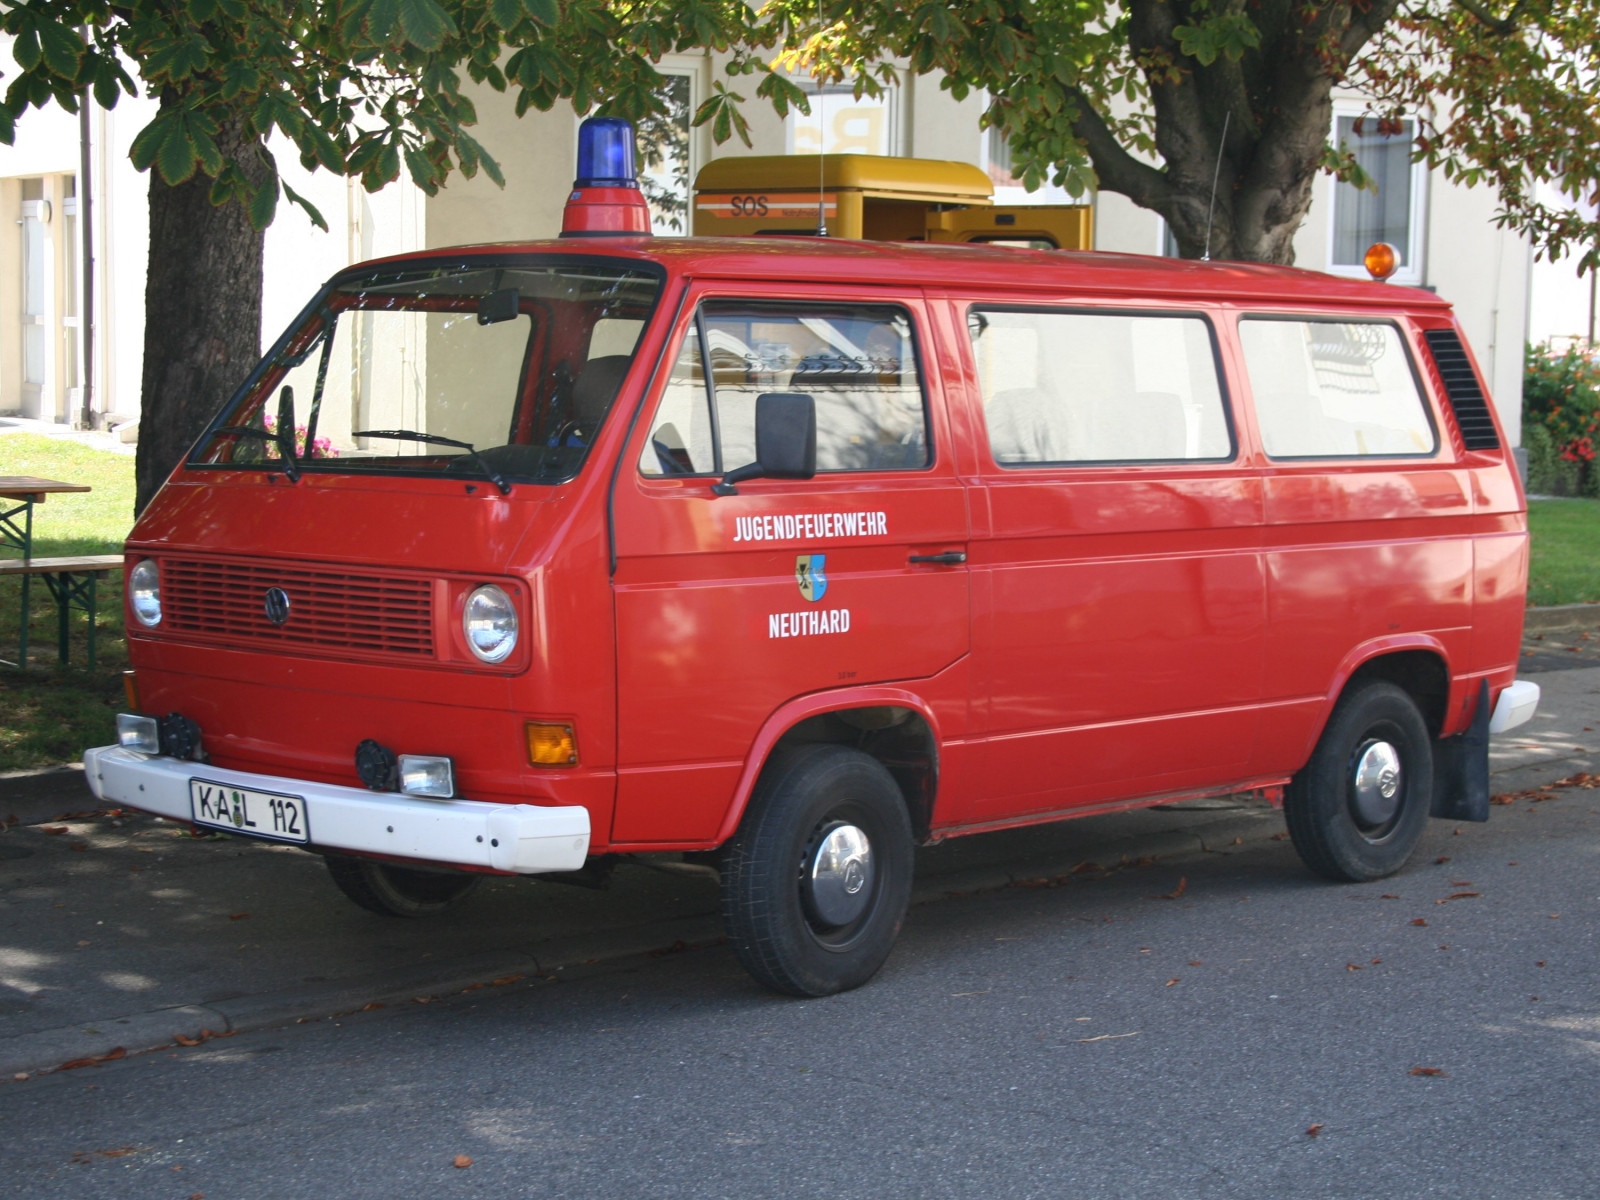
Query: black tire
[1337,834]
[398,891]
[768,909]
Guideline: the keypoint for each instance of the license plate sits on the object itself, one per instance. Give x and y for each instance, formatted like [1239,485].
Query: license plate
[240,810]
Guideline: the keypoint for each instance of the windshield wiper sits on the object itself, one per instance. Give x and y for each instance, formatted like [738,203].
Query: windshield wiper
[286,454]
[411,435]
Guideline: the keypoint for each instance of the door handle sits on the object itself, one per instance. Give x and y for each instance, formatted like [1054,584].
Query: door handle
[950,558]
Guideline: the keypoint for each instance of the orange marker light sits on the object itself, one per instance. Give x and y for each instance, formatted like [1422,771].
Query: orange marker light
[1381,260]
[130,689]
[551,745]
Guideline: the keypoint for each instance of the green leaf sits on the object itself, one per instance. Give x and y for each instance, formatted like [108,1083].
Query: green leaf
[507,13]
[546,12]
[8,126]
[310,208]
[206,148]
[26,48]
[424,23]
[147,144]
[177,156]
[327,150]
[264,204]
[63,48]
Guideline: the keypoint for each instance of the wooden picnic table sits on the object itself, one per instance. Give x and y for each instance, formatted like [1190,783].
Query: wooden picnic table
[71,580]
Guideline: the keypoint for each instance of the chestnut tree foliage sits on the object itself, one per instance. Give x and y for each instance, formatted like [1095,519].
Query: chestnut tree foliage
[1214,113]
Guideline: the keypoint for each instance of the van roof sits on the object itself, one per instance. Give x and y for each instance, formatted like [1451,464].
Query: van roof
[954,265]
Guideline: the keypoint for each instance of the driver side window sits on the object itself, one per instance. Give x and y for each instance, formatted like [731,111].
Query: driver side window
[858,362]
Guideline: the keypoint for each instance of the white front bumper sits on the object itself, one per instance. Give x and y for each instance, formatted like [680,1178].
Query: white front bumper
[523,838]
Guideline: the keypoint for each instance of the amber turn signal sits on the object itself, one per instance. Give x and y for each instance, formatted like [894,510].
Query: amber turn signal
[551,745]
[1381,260]
[130,689]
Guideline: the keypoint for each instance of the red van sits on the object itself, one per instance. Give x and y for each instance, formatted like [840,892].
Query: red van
[800,552]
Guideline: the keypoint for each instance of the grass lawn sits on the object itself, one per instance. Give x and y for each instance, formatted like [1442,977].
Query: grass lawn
[1566,551]
[49,713]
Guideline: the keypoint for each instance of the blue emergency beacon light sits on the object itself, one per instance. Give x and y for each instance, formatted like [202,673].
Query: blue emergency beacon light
[606,200]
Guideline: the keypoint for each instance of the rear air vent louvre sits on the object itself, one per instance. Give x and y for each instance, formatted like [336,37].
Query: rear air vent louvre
[1461,385]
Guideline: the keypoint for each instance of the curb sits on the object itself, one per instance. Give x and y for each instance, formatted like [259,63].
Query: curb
[39,797]
[1561,616]
[91,1042]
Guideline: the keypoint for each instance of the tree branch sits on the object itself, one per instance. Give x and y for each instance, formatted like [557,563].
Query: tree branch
[1504,26]
[1119,171]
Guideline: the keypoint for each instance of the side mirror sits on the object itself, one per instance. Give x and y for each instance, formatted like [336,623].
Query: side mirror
[502,305]
[285,434]
[786,441]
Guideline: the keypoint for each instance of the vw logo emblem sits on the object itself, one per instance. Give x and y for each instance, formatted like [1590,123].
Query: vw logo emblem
[277,605]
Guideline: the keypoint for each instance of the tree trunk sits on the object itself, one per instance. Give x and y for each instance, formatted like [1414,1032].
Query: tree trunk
[202,331]
[1242,140]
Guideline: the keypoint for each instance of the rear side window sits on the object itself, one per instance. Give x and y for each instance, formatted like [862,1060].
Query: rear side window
[1334,389]
[1064,387]
[857,361]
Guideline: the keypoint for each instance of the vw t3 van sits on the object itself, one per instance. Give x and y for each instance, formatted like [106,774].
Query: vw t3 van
[802,552]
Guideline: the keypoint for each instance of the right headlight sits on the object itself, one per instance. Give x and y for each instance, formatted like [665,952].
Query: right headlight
[490,622]
[144,592]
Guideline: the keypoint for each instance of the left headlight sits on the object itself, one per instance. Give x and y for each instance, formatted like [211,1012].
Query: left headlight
[144,592]
[490,622]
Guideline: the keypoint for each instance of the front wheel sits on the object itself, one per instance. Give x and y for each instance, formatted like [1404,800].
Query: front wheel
[1356,811]
[394,891]
[816,881]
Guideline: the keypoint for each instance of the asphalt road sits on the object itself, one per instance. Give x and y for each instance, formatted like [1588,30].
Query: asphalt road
[1224,1027]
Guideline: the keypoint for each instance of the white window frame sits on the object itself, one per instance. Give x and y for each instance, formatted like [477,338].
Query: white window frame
[1410,273]
[893,102]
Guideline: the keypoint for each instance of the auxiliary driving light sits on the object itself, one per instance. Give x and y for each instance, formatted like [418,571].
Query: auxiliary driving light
[138,733]
[431,776]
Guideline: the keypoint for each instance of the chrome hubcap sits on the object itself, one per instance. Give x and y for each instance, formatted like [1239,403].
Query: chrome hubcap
[1377,783]
[838,879]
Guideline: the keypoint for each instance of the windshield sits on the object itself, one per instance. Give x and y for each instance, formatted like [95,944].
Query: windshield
[503,371]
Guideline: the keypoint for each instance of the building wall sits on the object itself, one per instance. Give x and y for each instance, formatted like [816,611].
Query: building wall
[1483,270]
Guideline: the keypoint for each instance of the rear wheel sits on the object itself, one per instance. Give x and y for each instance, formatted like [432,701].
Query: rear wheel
[1357,809]
[816,881]
[398,891]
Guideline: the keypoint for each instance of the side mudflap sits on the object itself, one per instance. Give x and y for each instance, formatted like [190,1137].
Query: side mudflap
[1461,768]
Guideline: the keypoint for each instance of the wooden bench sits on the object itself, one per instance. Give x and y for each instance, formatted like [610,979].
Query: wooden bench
[71,581]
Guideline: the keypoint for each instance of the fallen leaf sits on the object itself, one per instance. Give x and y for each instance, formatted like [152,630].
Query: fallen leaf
[238,916]
[53,830]
[506,979]
[1195,963]
[1461,883]
[1464,895]
[1084,868]
[1555,916]
[1388,896]
[185,1040]
[1313,1130]
[423,999]
[1428,1071]
[1441,860]
[1376,961]
[119,1152]
[677,947]
[197,1196]
[985,992]
[1538,964]
[1352,967]
[1420,921]
[1183,886]
[21,1077]
[76,1063]
[461,1161]
[1278,837]
[77,846]
[373,1007]
[1172,981]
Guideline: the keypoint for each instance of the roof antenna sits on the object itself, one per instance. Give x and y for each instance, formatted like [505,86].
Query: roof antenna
[1226,117]
[822,198]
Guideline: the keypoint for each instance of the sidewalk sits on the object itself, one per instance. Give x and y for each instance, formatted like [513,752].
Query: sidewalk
[125,932]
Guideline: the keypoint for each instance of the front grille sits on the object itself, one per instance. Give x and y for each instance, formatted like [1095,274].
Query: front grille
[346,613]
